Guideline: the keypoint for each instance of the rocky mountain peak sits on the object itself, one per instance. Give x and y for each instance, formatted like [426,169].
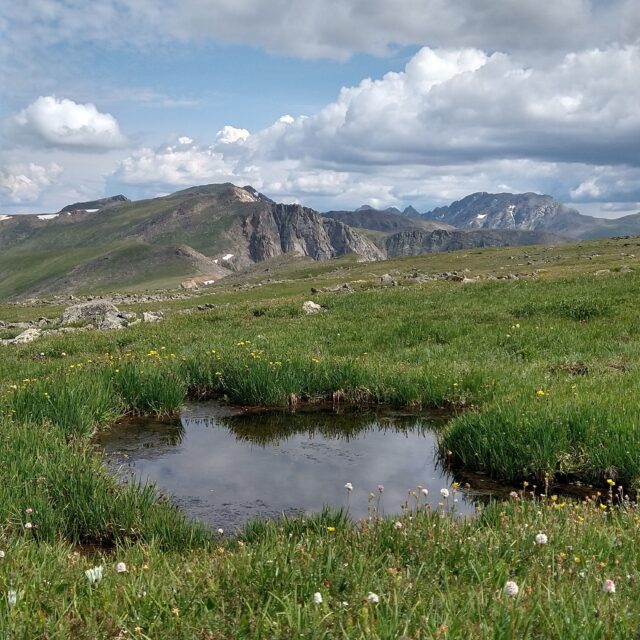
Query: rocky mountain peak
[520,211]
[411,212]
[101,203]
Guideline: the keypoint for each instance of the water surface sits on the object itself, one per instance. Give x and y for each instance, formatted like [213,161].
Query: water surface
[225,466]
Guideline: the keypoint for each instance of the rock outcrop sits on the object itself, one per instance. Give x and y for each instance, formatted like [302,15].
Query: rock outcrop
[418,242]
[276,229]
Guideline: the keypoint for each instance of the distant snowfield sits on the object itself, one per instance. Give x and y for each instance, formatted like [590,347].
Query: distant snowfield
[3,218]
[91,210]
[48,216]
[481,216]
[228,256]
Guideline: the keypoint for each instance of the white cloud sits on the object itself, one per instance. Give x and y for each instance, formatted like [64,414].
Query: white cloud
[24,183]
[340,28]
[64,123]
[452,122]
[328,28]
[588,188]
[168,166]
[466,106]
[229,135]
[613,183]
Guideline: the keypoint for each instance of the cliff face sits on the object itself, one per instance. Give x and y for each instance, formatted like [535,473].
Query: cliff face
[384,221]
[417,242]
[281,228]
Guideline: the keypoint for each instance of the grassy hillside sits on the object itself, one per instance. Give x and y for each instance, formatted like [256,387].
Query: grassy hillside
[541,368]
[128,244]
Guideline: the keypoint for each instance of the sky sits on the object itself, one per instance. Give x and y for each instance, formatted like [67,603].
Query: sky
[330,103]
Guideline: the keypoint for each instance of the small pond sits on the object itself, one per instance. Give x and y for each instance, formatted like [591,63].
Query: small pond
[225,466]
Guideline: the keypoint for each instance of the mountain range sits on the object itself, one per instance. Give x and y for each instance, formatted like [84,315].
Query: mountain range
[204,233]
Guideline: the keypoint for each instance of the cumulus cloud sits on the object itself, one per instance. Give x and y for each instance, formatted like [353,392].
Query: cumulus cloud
[229,135]
[23,183]
[67,124]
[451,122]
[184,164]
[613,183]
[466,106]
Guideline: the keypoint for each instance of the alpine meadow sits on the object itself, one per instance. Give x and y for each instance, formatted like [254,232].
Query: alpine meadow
[320,320]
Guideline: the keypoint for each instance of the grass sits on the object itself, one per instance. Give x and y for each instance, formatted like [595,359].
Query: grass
[435,577]
[542,369]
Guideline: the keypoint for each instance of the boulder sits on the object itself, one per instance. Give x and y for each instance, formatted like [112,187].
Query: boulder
[310,307]
[112,320]
[101,314]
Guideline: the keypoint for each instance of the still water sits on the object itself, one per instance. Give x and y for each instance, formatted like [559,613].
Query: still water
[225,466]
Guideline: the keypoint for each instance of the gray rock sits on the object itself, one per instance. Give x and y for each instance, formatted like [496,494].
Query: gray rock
[152,316]
[341,288]
[88,312]
[26,336]
[112,320]
[100,314]
[310,307]
[19,325]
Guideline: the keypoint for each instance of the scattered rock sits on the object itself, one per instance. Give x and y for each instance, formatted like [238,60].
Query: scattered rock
[602,272]
[19,325]
[152,316]
[310,307]
[341,288]
[26,336]
[388,280]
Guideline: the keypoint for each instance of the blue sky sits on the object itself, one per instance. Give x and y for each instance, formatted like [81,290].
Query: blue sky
[332,104]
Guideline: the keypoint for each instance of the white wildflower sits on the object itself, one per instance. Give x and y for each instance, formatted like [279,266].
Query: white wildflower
[12,598]
[511,589]
[317,598]
[609,586]
[444,493]
[94,575]
[373,598]
[348,486]
[397,525]
[541,538]
[121,567]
